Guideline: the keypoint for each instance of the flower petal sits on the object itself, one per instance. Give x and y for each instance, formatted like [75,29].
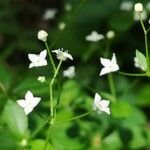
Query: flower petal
[35,101]
[28,110]
[104,103]
[105,62]
[105,71]
[22,103]
[67,55]
[97,99]
[113,60]
[43,54]
[33,57]
[28,96]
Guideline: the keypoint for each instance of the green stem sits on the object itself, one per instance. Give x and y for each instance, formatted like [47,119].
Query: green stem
[73,118]
[112,86]
[46,141]
[51,103]
[135,74]
[146,43]
[50,56]
[51,92]
[148,29]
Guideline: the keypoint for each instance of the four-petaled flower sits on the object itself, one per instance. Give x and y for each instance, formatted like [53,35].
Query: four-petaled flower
[62,55]
[70,72]
[109,65]
[100,105]
[94,37]
[29,102]
[38,60]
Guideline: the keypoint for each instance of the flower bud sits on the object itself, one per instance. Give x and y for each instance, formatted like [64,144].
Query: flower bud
[41,79]
[24,143]
[110,34]
[138,7]
[42,35]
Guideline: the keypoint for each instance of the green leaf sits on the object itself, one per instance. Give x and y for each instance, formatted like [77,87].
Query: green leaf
[39,144]
[6,141]
[121,109]
[141,60]
[15,119]
[112,138]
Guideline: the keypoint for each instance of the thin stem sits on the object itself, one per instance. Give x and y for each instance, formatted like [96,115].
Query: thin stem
[148,29]
[146,42]
[112,86]
[73,118]
[46,141]
[51,92]
[134,74]
[50,56]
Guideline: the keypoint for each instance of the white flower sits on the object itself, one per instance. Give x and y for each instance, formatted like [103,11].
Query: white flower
[101,105]
[68,7]
[149,21]
[61,26]
[42,35]
[143,15]
[94,37]
[62,55]
[70,72]
[49,14]
[38,60]
[110,34]
[41,79]
[138,7]
[29,102]
[126,6]
[109,65]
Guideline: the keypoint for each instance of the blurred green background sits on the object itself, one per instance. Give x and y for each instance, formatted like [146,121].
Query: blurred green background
[128,126]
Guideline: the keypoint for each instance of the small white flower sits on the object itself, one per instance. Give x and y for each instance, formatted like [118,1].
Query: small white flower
[62,55]
[41,79]
[29,102]
[126,6]
[94,37]
[110,34]
[138,7]
[38,60]
[49,14]
[143,15]
[61,26]
[109,65]
[70,72]
[42,35]
[101,105]
[149,21]
[68,7]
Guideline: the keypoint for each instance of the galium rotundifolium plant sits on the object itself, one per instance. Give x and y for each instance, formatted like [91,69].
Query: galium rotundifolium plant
[30,101]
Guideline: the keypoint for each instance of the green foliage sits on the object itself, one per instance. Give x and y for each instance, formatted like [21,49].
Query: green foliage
[16,120]
[128,125]
[39,144]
